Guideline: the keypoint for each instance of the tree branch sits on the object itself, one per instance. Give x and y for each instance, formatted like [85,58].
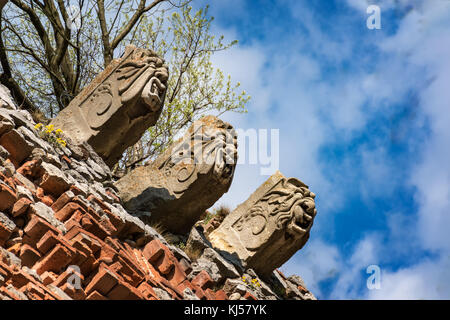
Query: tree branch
[134,19]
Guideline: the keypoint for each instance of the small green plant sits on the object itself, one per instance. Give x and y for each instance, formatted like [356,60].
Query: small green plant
[222,211]
[52,136]
[208,217]
[181,245]
[279,291]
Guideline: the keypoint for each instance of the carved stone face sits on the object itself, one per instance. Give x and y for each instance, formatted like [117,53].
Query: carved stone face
[288,209]
[206,149]
[119,105]
[144,77]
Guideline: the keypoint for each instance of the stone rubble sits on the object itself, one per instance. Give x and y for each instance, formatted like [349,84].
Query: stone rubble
[64,234]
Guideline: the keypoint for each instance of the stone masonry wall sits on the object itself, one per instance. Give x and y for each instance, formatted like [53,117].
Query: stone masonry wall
[65,235]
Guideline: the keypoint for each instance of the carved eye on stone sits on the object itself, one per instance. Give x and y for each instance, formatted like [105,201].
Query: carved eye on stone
[185,173]
[258,223]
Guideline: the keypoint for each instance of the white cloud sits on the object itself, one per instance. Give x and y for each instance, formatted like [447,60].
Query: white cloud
[285,75]
[318,261]
[424,40]
[426,280]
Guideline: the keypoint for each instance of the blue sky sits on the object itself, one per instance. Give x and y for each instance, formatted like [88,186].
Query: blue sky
[364,121]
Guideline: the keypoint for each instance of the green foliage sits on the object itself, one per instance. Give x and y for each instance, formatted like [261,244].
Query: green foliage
[208,217]
[52,136]
[195,87]
[51,62]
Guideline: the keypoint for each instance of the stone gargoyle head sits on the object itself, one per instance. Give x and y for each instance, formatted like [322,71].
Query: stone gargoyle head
[115,109]
[288,208]
[209,148]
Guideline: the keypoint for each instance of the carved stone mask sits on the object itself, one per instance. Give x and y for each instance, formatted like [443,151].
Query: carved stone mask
[289,208]
[206,149]
[144,78]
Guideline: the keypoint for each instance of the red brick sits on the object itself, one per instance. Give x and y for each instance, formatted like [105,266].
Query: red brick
[15,249]
[221,295]
[33,292]
[36,228]
[56,260]
[74,293]
[185,284]
[96,296]
[302,289]
[19,278]
[94,227]
[177,275]
[103,281]
[53,184]
[108,226]
[5,269]
[47,199]
[203,280]
[7,197]
[147,291]
[62,201]
[31,169]
[249,296]
[210,295]
[20,207]
[82,248]
[5,232]
[165,265]
[102,205]
[185,266]
[94,215]
[124,291]
[63,277]
[66,212]
[200,293]
[48,277]
[135,275]
[9,294]
[153,251]
[91,240]
[17,146]
[48,241]
[88,265]
[29,255]
[76,190]
[115,220]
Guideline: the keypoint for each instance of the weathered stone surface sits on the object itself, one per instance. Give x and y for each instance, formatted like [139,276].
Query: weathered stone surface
[188,178]
[46,213]
[162,294]
[6,228]
[16,144]
[54,181]
[189,295]
[6,100]
[196,244]
[269,227]
[123,101]
[226,269]
[53,217]
[210,267]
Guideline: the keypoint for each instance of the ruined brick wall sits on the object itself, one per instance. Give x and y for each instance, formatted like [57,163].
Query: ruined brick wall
[65,235]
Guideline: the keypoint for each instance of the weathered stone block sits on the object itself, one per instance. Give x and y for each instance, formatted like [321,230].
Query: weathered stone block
[122,102]
[6,100]
[6,228]
[184,181]
[269,227]
[18,147]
